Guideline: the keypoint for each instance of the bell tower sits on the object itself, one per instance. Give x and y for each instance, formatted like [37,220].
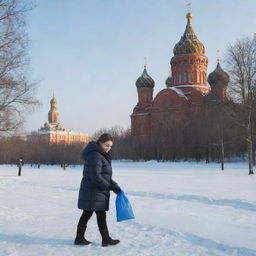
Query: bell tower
[53,114]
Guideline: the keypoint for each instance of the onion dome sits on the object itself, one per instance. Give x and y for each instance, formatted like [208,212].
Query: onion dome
[168,81]
[145,81]
[218,76]
[189,44]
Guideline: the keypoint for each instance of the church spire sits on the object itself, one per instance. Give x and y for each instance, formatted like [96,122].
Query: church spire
[218,56]
[145,62]
[53,115]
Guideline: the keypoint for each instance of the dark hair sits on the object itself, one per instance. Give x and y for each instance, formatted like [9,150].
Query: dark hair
[104,138]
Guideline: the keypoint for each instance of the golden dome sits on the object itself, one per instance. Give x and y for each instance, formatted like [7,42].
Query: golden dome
[189,43]
[189,15]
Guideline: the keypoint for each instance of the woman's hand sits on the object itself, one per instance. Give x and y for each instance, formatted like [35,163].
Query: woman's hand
[116,189]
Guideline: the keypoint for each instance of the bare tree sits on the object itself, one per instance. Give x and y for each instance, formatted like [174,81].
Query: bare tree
[241,61]
[15,88]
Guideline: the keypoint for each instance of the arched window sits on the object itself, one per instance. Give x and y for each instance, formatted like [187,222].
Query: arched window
[192,77]
[179,78]
[185,79]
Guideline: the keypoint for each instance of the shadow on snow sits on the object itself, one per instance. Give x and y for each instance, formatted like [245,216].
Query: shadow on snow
[235,203]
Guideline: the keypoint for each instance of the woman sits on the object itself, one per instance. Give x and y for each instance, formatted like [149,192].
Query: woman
[95,189]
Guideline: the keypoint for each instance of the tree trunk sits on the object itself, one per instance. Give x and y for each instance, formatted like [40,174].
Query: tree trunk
[222,154]
[249,132]
[250,151]
[253,153]
[222,146]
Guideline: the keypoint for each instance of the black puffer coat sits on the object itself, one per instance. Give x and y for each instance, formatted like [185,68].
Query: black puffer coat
[97,179]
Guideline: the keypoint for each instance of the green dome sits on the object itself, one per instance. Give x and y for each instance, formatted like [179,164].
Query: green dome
[145,80]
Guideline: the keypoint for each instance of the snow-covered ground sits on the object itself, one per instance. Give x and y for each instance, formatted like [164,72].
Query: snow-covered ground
[181,209]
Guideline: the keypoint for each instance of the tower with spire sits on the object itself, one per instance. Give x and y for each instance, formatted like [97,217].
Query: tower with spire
[53,115]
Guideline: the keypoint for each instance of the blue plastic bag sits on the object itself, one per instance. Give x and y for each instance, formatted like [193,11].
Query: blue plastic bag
[123,207]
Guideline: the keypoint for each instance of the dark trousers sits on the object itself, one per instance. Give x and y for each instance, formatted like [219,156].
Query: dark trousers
[101,219]
[19,173]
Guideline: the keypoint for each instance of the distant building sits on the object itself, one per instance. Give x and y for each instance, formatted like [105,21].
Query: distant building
[53,131]
[186,86]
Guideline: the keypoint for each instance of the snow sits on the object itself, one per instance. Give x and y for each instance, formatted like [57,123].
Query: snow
[193,85]
[178,91]
[140,114]
[181,209]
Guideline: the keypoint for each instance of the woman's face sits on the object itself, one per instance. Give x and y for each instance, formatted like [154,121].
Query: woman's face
[106,146]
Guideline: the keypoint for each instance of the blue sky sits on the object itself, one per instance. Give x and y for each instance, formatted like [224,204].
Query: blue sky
[90,52]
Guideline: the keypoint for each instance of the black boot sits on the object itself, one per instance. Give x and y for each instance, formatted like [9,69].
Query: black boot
[106,239]
[80,240]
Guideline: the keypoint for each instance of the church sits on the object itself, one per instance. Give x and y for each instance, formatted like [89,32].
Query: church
[187,86]
[53,132]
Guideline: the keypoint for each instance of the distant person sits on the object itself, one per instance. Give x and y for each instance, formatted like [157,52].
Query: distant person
[95,189]
[19,164]
[65,166]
